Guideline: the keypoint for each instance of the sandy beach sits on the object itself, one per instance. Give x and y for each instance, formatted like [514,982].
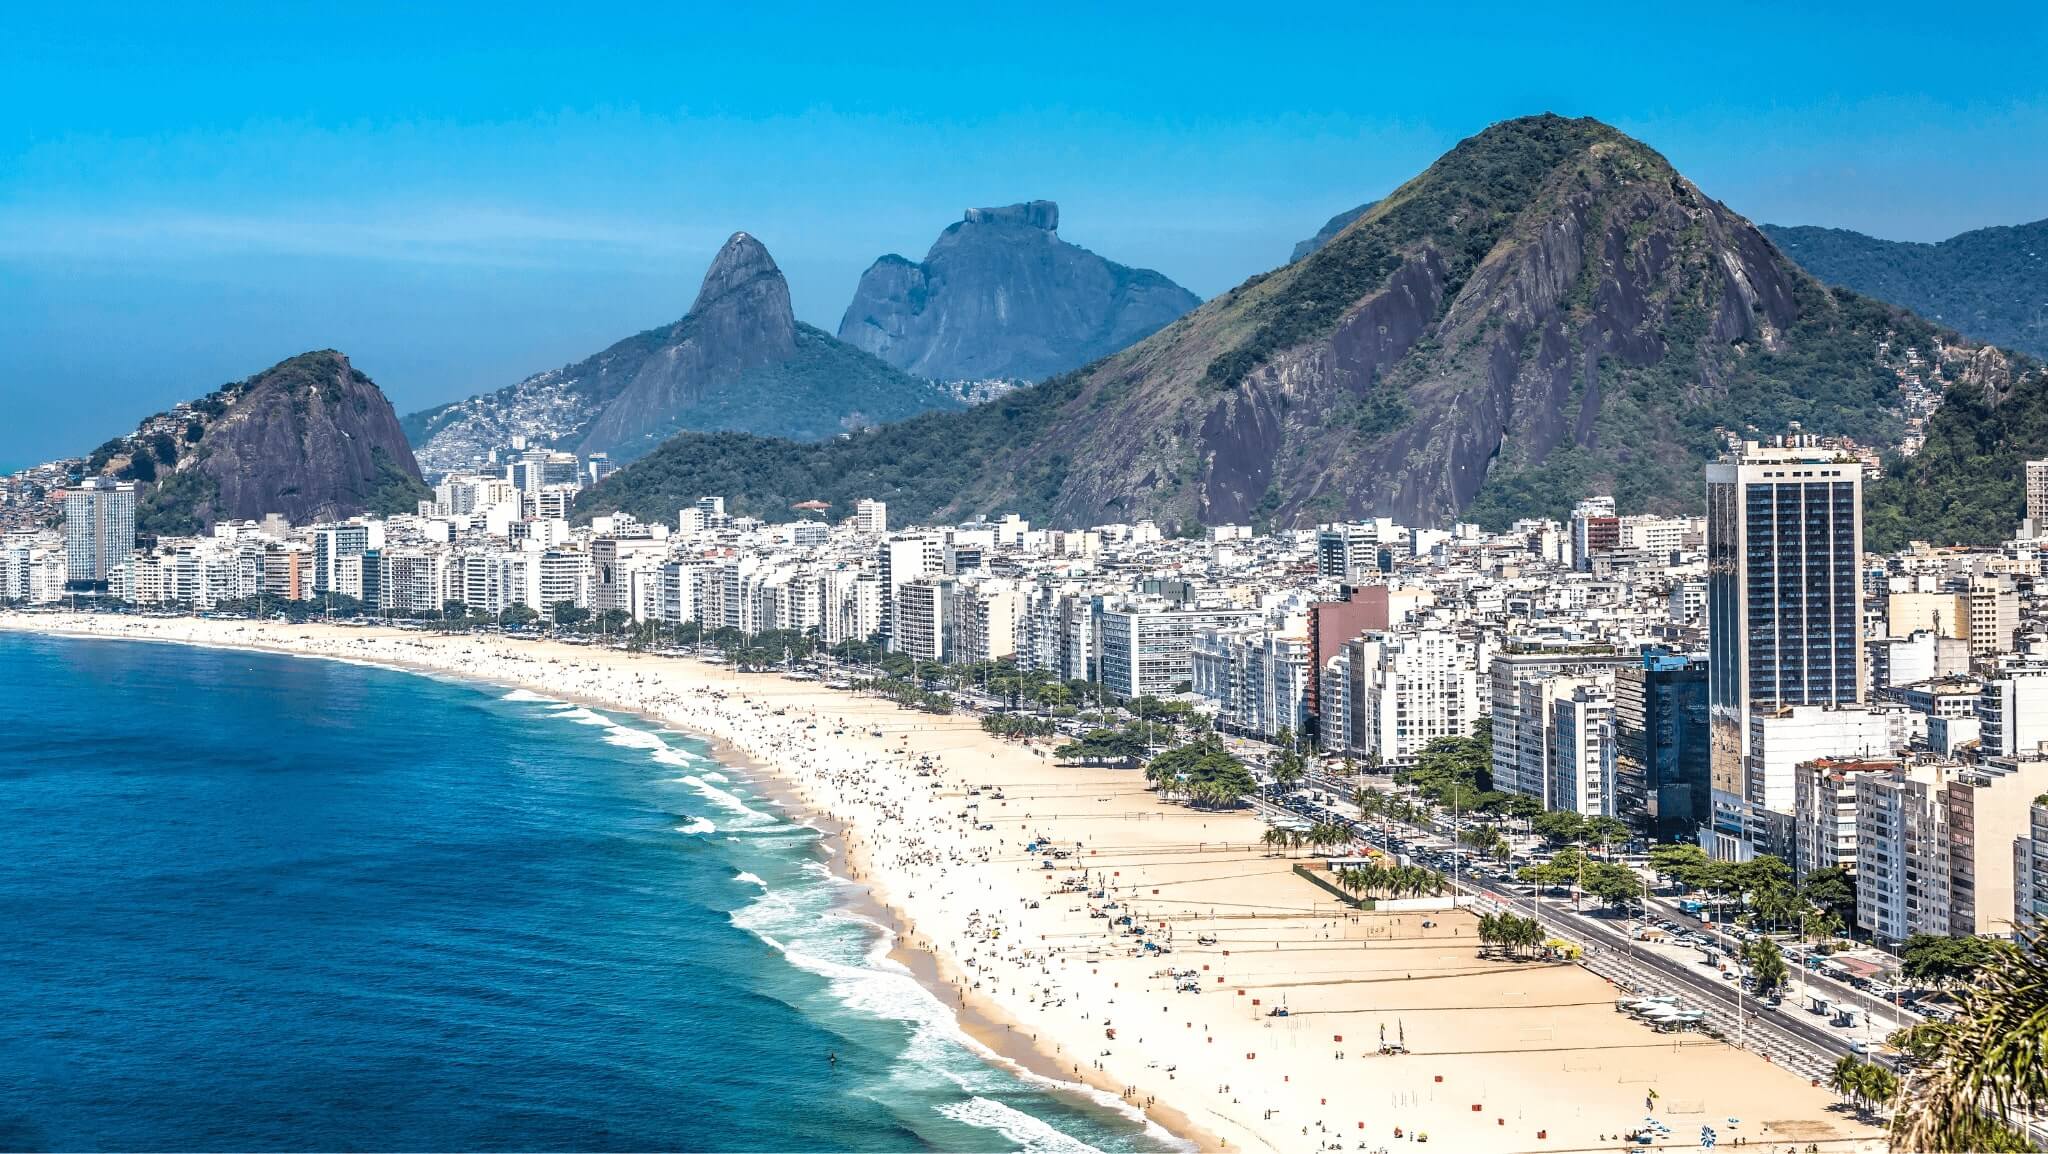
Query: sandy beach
[934,817]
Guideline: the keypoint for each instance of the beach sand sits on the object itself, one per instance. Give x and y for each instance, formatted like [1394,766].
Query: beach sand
[1505,1056]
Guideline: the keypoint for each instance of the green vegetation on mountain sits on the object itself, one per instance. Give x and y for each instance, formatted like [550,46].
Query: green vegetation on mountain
[172,508]
[1967,484]
[805,396]
[1330,229]
[1990,284]
[1547,312]
[1461,208]
[311,438]
[917,466]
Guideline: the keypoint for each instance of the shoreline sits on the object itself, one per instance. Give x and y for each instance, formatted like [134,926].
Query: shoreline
[980,1019]
[1537,1068]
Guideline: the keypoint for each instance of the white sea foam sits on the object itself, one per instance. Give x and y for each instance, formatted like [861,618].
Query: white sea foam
[718,797]
[852,953]
[779,829]
[717,777]
[668,755]
[582,716]
[1030,1133]
[698,825]
[743,876]
[528,695]
[633,738]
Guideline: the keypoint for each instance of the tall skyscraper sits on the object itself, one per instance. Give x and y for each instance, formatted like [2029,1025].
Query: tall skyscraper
[1784,601]
[99,528]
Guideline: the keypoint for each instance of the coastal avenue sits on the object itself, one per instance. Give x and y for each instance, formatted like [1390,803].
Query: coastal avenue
[1837,992]
[1782,1033]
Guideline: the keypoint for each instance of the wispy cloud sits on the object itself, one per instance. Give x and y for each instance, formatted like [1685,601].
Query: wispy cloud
[481,235]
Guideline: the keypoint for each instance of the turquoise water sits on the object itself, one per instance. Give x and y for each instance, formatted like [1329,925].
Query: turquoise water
[258,902]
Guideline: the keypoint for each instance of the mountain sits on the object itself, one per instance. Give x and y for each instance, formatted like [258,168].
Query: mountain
[739,359]
[311,438]
[1966,485]
[1001,296]
[1548,311]
[1990,284]
[1329,231]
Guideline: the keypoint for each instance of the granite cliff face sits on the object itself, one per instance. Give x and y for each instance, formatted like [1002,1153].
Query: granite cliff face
[311,438]
[1001,296]
[1548,311]
[738,360]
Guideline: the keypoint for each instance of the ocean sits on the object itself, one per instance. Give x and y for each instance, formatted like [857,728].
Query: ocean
[260,902]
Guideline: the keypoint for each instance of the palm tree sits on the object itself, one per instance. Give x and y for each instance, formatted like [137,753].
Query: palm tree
[1846,1078]
[1324,834]
[1509,934]
[1988,1065]
[1767,963]
[1367,801]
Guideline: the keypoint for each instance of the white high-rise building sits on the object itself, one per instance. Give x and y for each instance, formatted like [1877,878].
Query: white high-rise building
[926,619]
[2036,524]
[99,528]
[871,517]
[1519,699]
[1406,689]
[1581,770]
[1902,852]
[988,612]
[2013,707]
[899,561]
[1148,649]
[1781,742]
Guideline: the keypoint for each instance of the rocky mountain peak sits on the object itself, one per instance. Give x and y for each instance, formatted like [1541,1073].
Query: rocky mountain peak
[1001,296]
[737,360]
[744,269]
[1043,214]
[311,437]
[1549,310]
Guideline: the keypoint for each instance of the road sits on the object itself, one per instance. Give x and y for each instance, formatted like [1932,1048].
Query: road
[1785,1034]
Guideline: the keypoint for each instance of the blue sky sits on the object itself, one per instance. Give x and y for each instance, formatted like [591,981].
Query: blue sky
[458,199]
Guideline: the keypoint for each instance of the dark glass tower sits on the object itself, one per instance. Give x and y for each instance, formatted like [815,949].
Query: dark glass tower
[1661,763]
[1784,604]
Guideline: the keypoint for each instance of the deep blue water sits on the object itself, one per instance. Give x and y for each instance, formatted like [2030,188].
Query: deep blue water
[250,901]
